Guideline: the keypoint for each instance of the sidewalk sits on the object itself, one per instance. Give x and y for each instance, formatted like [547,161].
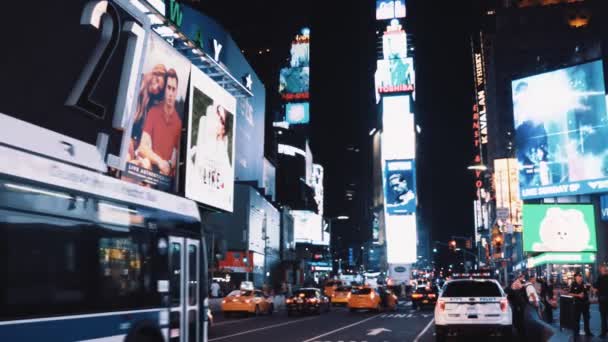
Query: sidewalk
[567,335]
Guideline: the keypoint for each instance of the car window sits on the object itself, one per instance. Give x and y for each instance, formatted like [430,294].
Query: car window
[343,288]
[472,289]
[364,291]
[305,293]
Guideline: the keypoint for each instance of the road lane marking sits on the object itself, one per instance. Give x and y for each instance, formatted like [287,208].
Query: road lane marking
[410,315]
[339,329]
[377,331]
[232,321]
[424,331]
[263,328]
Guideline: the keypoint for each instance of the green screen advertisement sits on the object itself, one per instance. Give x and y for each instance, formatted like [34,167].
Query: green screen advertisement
[559,228]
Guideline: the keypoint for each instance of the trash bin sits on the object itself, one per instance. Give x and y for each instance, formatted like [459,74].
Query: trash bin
[566,312]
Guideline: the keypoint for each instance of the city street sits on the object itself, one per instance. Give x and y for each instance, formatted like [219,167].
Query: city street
[337,325]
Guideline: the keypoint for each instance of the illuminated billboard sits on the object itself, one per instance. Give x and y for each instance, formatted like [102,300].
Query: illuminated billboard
[210,153]
[400,187]
[294,83]
[401,239]
[389,9]
[394,43]
[308,228]
[506,183]
[398,136]
[395,75]
[157,118]
[559,228]
[561,125]
[297,113]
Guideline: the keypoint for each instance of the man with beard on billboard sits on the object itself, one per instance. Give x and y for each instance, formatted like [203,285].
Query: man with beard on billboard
[400,195]
[162,129]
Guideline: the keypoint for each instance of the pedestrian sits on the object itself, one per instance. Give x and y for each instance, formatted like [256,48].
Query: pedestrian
[580,291]
[546,296]
[601,288]
[518,299]
[533,294]
[215,289]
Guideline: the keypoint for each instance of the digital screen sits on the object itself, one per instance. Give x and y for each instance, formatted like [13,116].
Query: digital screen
[561,130]
[389,9]
[395,75]
[294,80]
[394,43]
[297,113]
[308,228]
[559,228]
[210,153]
[401,239]
[398,136]
[153,153]
[400,187]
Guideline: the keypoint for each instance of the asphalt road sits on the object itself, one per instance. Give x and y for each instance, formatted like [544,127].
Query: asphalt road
[338,325]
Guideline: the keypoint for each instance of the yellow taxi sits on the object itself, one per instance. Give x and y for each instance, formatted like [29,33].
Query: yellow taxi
[331,286]
[340,295]
[366,298]
[248,302]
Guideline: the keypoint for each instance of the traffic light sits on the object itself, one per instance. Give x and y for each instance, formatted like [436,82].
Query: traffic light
[452,245]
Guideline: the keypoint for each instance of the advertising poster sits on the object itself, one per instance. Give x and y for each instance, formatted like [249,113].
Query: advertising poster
[158,117]
[394,43]
[395,75]
[297,113]
[389,9]
[294,80]
[400,187]
[561,131]
[401,239]
[559,228]
[210,157]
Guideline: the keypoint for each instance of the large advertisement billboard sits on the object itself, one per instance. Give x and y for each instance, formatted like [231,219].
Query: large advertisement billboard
[158,117]
[389,9]
[401,239]
[561,130]
[294,81]
[297,113]
[559,228]
[395,75]
[400,187]
[210,156]
[398,135]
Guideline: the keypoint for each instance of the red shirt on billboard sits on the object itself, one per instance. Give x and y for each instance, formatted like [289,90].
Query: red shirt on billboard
[164,129]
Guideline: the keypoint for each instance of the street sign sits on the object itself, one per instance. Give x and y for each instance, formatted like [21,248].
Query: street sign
[502,213]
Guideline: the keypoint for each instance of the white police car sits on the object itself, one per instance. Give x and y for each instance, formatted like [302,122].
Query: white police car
[472,306]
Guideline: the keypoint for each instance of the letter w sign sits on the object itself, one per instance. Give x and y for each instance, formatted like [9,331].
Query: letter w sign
[604,207]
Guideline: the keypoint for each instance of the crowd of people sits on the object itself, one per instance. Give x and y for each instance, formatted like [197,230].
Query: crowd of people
[531,295]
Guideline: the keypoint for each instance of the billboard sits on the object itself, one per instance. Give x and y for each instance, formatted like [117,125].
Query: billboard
[297,113]
[308,228]
[389,9]
[210,150]
[561,125]
[157,119]
[401,239]
[394,43]
[506,184]
[398,136]
[400,187]
[395,75]
[294,81]
[559,228]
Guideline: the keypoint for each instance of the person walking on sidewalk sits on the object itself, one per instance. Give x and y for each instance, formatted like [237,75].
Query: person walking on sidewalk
[580,292]
[546,295]
[601,288]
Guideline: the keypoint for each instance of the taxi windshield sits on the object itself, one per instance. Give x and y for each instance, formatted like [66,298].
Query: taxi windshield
[343,289]
[363,291]
[237,293]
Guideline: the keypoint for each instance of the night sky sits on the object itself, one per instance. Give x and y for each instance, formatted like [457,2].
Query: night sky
[342,106]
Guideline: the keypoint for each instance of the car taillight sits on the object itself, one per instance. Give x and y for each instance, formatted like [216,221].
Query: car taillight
[441,304]
[431,295]
[333,294]
[224,301]
[416,296]
[372,295]
[348,296]
[248,301]
[288,301]
[313,300]
[504,304]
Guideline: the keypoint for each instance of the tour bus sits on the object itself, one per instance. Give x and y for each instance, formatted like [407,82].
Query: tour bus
[88,257]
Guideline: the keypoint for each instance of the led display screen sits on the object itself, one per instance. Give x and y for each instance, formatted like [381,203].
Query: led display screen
[210,153]
[389,9]
[401,239]
[294,80]
[297,113]
[400,187]
[398,137]
[559,228]
[395,75]
[561,131]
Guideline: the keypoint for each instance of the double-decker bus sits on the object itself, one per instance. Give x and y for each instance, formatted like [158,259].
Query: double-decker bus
[88,257]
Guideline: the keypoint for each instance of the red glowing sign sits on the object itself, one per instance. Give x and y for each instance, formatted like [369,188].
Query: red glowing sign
[295,96]
[402,88]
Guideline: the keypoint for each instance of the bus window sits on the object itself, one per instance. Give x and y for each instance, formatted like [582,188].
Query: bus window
[193,274]
[176,276]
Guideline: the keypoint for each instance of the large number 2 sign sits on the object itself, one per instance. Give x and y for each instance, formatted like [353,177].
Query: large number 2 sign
[102,15]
